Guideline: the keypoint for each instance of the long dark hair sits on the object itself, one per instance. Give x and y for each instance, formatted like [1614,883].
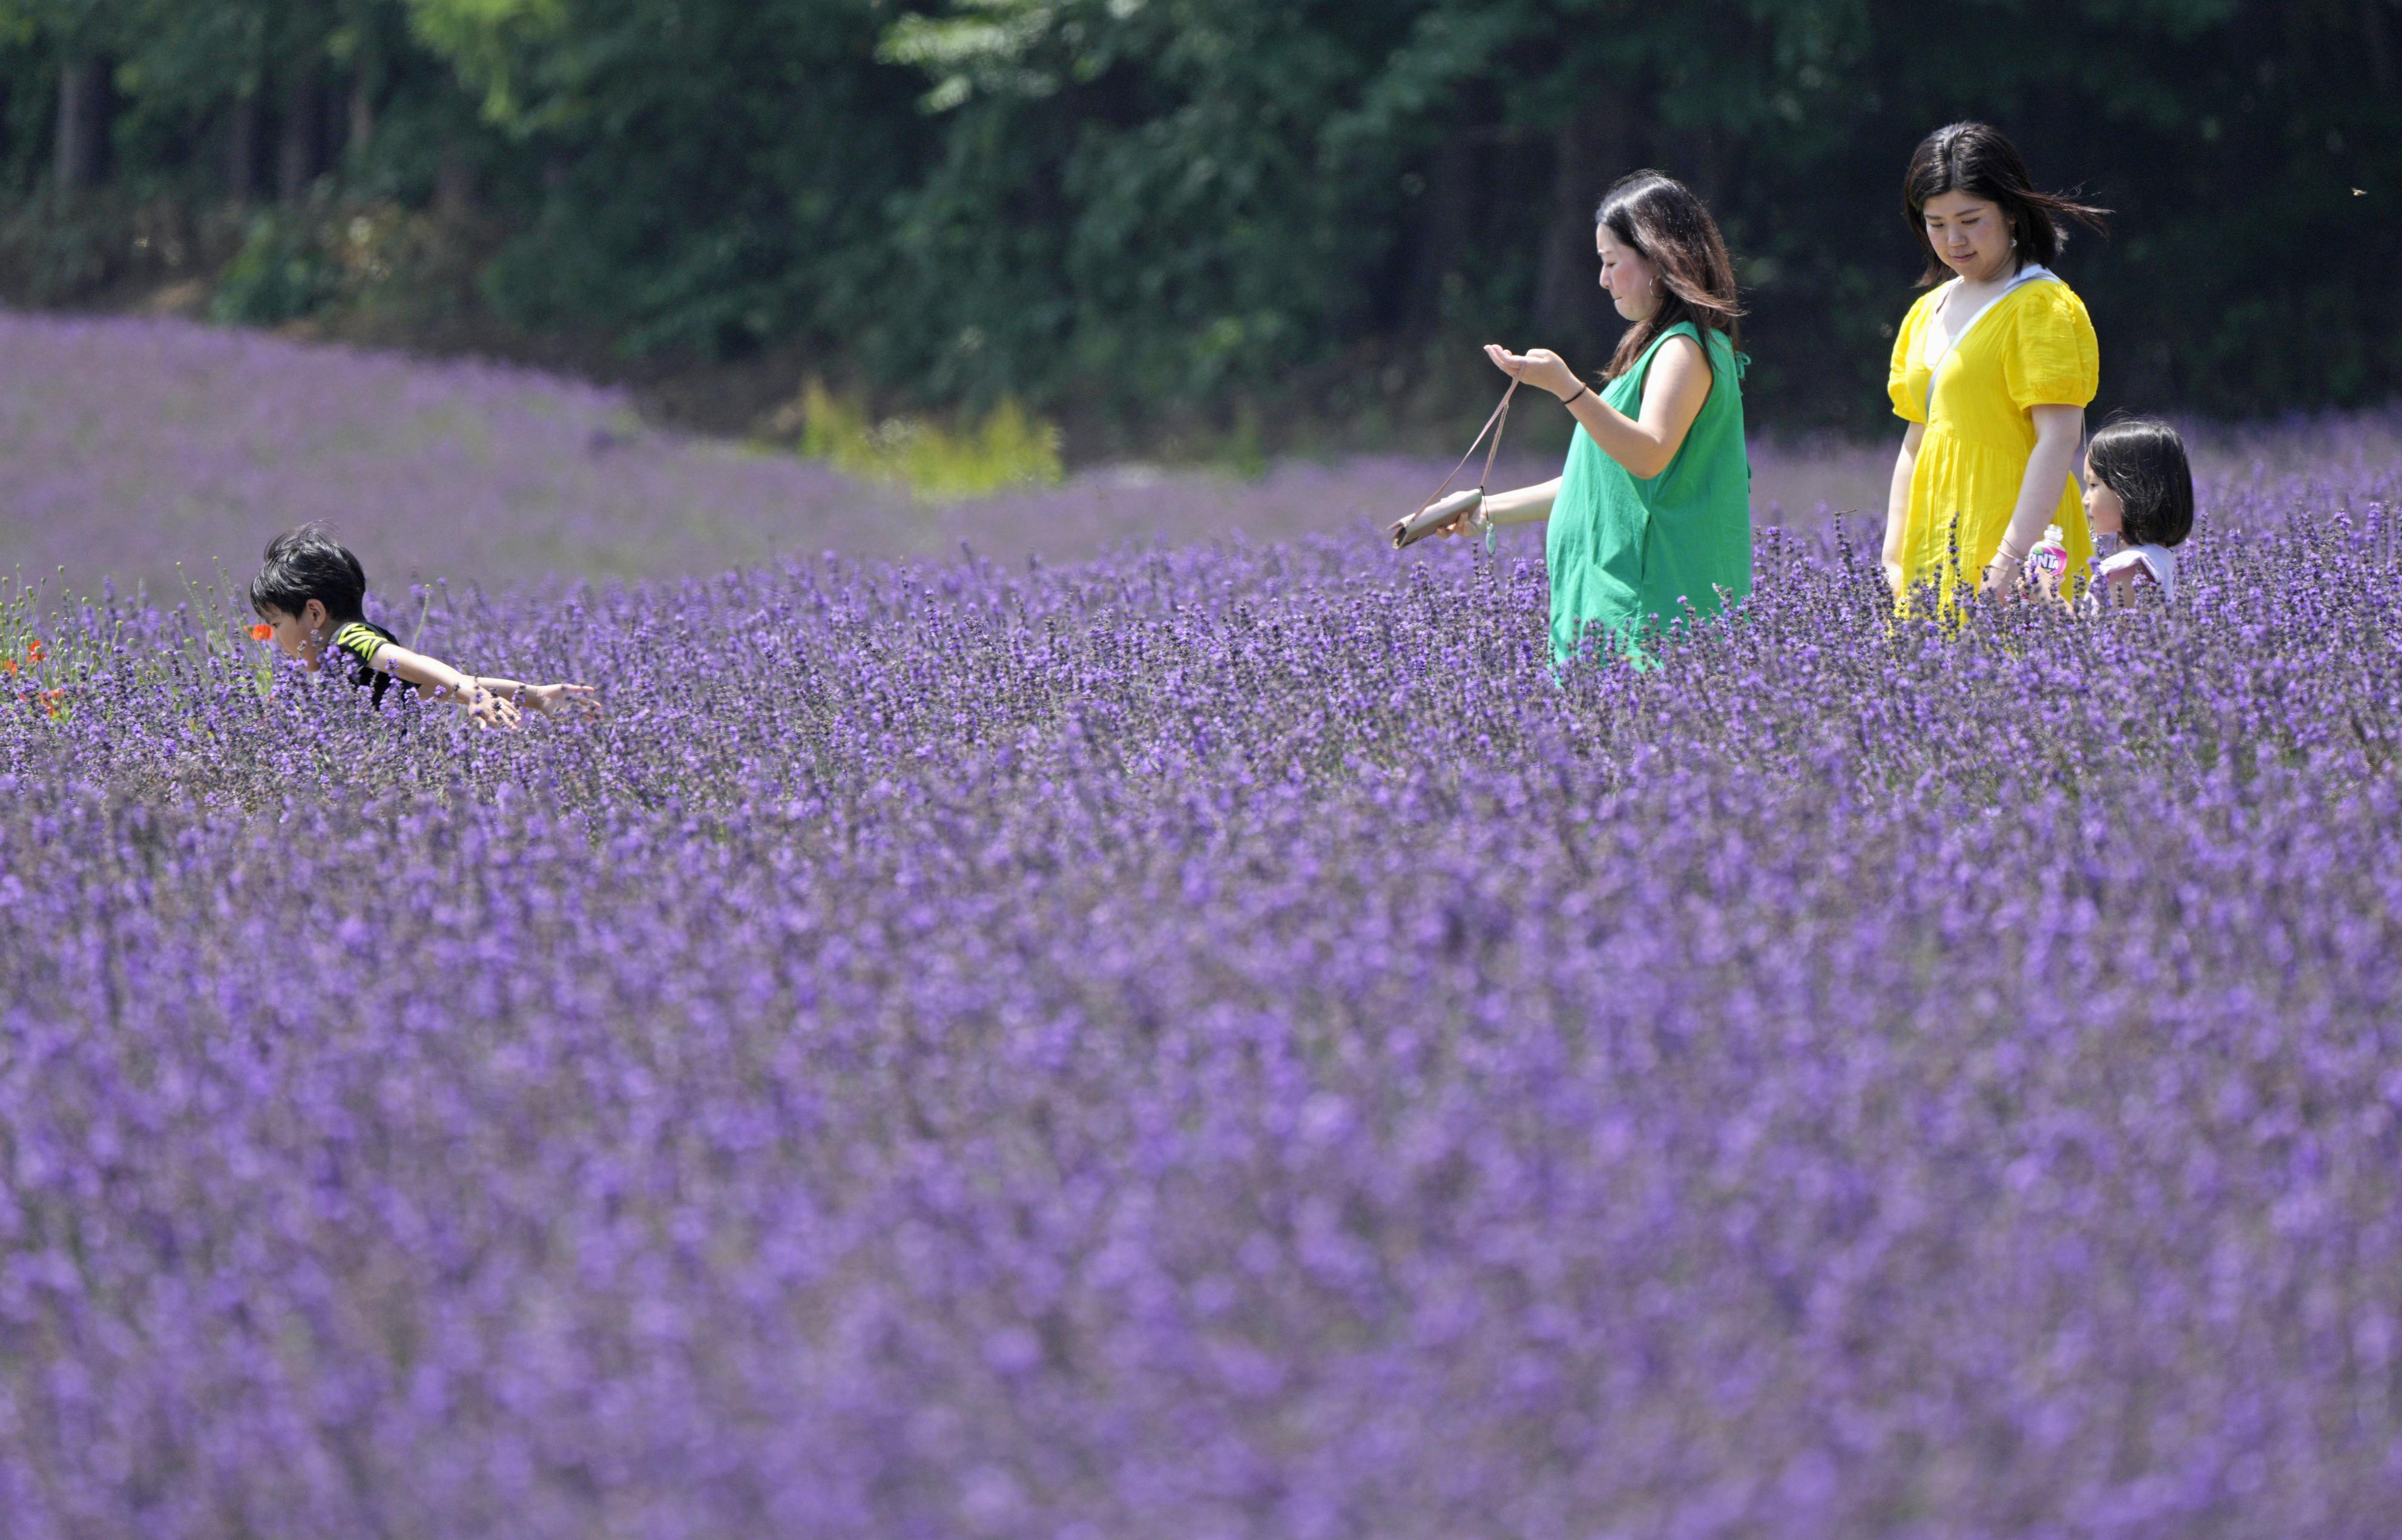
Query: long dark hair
[1975,158]
[1660,219]
[2143,460]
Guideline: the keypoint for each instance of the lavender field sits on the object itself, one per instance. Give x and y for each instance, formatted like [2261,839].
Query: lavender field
[1203,1041]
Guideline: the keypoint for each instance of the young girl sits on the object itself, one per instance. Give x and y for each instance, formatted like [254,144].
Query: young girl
[2138,488]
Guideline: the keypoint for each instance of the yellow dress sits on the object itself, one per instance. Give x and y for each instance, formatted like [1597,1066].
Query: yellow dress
[2032,346]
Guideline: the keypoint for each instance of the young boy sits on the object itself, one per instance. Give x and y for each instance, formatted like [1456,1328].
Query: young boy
[311,595]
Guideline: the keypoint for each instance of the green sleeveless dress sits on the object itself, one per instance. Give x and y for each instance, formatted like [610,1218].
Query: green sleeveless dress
[1627,557]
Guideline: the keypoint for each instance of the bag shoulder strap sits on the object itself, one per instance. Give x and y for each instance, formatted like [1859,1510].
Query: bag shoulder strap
[1495,425]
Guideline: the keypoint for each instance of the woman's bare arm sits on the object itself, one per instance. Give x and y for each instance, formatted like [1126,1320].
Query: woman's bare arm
[1673,394]
[1521,505]
[2058,430]
[1896,504]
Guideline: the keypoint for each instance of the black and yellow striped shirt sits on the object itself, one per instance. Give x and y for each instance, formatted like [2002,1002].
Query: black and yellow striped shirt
[361,639]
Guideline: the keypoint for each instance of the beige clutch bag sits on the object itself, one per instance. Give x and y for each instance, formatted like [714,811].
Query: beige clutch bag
[1441,511]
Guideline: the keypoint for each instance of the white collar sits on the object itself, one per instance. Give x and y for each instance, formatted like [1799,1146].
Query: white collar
[2034,272]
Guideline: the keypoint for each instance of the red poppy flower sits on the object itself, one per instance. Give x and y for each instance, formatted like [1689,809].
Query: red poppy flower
[261,631]
[34,650]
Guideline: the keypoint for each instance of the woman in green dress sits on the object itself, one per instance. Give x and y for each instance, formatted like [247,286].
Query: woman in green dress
[1651,519]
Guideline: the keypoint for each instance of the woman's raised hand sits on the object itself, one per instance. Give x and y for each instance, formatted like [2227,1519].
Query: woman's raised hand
[1538,366]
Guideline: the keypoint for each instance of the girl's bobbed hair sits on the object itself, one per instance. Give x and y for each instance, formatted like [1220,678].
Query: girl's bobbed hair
[1660,219]
[1975,158]
[2143,460]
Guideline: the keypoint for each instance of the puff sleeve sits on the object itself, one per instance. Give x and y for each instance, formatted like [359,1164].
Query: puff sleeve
[2053,360]
[1906,379]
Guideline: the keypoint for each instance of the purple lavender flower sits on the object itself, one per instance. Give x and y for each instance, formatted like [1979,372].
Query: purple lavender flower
[1212,1039]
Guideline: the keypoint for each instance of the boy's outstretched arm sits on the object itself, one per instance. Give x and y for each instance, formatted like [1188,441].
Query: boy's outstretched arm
[491,701]
[442,680]
[542,697]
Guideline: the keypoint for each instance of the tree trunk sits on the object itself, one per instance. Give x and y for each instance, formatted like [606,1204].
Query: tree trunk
[333,125]
[2381,45]
[84,108]
[1588,153]
[454,185]
[1705,152]
[241,148]
[300,153]
[361,111]
[1443,233]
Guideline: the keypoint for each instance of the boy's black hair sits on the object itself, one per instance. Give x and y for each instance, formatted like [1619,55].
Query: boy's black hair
[309,563]
[2143,460]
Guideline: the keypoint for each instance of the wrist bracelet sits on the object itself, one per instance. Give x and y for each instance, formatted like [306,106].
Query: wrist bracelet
[1582,389]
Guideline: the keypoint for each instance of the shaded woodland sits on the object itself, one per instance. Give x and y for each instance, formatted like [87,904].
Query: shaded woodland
[1134,211]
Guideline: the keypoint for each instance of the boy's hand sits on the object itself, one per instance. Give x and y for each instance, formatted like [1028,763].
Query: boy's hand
[560,697]
[487,709]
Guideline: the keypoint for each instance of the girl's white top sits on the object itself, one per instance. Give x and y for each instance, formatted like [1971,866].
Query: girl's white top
[2158,560]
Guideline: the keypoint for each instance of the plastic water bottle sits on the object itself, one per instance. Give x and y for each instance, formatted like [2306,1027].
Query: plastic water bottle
[2048,563]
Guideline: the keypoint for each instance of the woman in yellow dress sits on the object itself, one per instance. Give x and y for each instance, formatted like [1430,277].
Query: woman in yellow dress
[1992,371]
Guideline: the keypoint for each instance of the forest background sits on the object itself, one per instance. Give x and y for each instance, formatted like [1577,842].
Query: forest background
[1273,223]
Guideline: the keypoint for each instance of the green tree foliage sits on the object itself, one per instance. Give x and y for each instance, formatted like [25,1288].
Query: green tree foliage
[712,175]
[1183,159]
[1130,207]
